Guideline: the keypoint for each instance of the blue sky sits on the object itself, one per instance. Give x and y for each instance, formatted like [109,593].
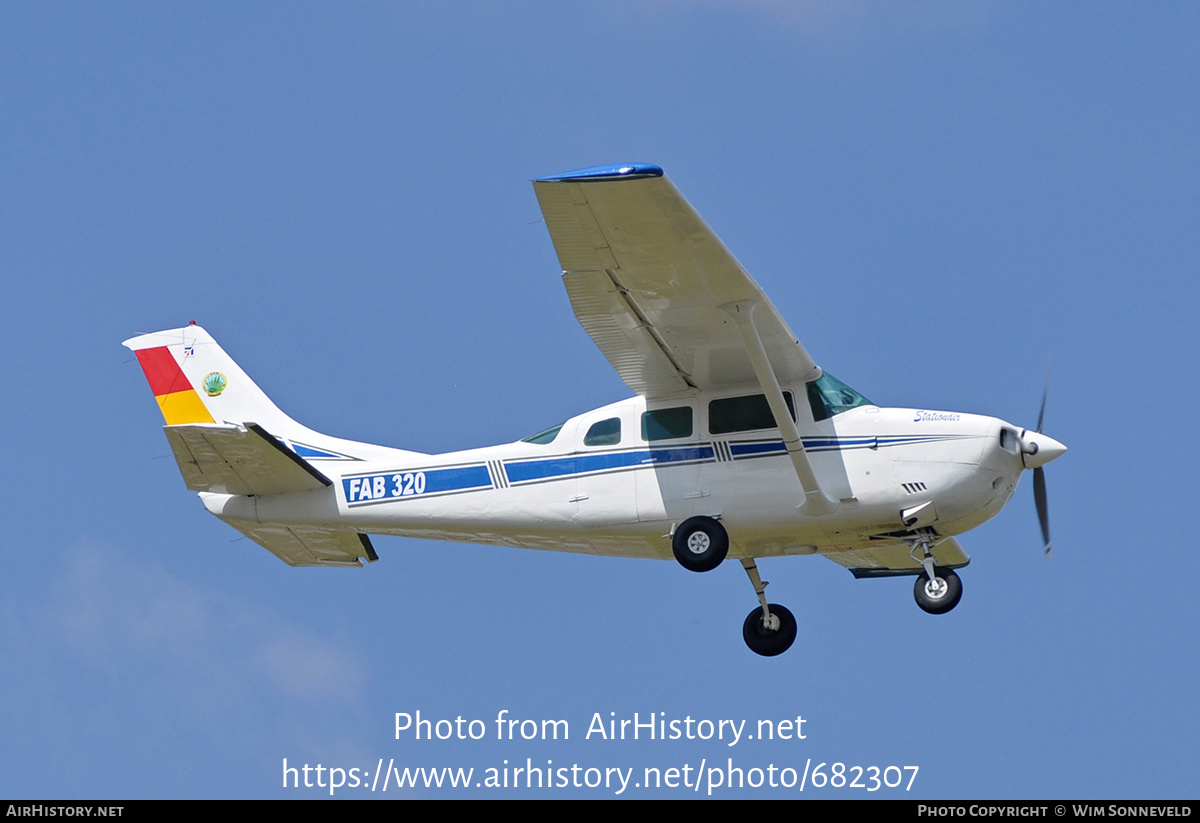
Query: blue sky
[939,200]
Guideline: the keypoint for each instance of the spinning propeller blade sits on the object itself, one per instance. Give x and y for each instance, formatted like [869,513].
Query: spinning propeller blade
[1039,499]
[1045,392]
[1039,476]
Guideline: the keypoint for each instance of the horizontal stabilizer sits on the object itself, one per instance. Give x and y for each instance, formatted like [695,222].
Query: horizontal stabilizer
[239,460]
[894,559]
[308,545]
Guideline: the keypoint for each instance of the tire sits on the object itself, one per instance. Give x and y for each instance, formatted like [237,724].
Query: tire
[700,544]
[765,642]
[938,599]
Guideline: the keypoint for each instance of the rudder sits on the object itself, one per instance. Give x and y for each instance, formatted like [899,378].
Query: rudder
[195,381]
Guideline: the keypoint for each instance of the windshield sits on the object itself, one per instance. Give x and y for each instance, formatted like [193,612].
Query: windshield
[829,396]
[545,436]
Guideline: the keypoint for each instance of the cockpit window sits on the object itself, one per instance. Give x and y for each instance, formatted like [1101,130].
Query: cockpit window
[829,396]
[545,436]
[604,433]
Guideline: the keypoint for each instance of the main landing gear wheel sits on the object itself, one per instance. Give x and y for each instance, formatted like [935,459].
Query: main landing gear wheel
[700,544]
[769,641]
[939,595]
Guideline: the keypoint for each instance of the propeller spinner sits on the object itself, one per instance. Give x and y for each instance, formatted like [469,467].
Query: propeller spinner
[1036,451]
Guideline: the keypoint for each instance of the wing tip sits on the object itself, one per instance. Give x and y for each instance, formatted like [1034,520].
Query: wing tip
[617,171]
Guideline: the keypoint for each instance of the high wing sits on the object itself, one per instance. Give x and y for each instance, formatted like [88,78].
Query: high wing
[652,284]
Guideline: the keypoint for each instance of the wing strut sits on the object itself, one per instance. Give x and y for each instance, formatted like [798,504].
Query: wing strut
[816,502]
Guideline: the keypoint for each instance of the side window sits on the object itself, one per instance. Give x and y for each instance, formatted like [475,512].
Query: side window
[743,414]
[604,433]
[667,424]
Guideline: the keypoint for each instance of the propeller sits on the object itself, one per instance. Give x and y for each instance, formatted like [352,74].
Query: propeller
[1039,499]
[1036,451]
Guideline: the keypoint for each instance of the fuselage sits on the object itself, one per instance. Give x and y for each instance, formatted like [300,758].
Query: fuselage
[618,479]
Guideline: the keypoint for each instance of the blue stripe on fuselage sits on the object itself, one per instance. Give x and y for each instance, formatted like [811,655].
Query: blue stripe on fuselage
[528,471]
[410,483]
[756,449]
[380,487]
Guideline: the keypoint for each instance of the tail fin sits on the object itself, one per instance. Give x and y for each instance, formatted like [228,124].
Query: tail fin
[226,437]
[195,381]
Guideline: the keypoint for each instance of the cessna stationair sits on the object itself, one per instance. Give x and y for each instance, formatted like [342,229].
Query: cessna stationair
[735,445]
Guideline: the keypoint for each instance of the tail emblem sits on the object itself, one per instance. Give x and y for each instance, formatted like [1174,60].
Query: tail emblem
[214,383]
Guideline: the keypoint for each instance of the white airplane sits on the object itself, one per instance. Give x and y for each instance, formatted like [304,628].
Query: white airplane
[736,444]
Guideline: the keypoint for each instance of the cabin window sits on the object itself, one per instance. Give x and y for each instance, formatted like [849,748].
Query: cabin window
[604,433]
[743,414]
[545,436]
[829,396]
[667,424]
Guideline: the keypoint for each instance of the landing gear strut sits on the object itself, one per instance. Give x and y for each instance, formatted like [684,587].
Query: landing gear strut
[937,589]
[770,629]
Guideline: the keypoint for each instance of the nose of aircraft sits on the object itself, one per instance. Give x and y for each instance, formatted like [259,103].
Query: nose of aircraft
[1037,449]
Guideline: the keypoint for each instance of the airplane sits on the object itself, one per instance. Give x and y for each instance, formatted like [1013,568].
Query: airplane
[736,444]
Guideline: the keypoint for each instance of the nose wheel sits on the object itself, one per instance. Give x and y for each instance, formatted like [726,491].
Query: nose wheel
[939,594]
[937,589]
[770,629]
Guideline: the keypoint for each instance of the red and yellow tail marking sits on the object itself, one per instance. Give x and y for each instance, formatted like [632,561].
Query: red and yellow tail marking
[178,401]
